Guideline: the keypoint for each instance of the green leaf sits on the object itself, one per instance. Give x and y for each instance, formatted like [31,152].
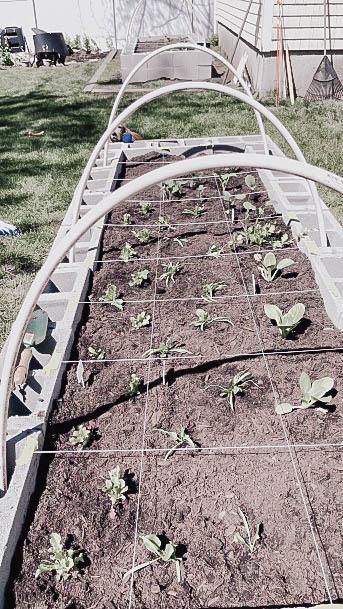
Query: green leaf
[250,182]
[269,260]
[168,552]
[322,386]
[138,568]
[296,313]
[152,543]
[55,542]
[283,264]
[305,382]
[238,538]
[273,312]
[283,408]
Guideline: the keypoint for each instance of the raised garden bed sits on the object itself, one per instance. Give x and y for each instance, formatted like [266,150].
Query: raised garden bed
[280,470]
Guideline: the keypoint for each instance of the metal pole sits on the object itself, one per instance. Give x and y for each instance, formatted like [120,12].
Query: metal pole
[114,22]
[34,12]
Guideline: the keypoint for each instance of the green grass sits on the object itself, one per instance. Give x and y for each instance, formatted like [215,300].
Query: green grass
[38,176]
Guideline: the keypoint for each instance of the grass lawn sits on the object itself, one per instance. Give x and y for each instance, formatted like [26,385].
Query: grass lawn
[38,175]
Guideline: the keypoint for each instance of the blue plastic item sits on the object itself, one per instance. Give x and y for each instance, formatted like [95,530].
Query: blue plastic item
[127,138]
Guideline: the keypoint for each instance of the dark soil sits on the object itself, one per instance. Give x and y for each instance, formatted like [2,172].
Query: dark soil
[241,460]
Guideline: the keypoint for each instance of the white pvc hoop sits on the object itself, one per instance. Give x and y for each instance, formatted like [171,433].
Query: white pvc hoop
[129,190]
[194,86]
[185,45]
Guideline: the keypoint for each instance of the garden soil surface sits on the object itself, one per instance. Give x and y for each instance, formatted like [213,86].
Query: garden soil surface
[283,472]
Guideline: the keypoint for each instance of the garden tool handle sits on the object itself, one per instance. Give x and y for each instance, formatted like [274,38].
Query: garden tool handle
[21,371]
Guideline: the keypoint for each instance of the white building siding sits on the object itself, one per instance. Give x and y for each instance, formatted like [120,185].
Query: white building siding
[231,13]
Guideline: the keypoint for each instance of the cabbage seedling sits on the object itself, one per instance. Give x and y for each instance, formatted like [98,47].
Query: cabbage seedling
[286,322]
[170,271]
[126,219]
[250,182]
[115,486]
[270,267]
[196,212]
[250,541]
[143,235]
[138,278]
[214,251]
[209,290]
[166,553]
[165,349]
[312,393]
[180,439]
[145,207]
[62,563]
[204,320]
[172,188]
[260,234]
[235,386]
[80,437]
[134,385]
[141,320]
[127,252]
[164,223]
[97,354]
[111,297]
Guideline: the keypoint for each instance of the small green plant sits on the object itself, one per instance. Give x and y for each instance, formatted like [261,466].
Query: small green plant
[235,386]
[204,320]
[260,234]
[214,251]
[126,219]
[209,290]
[145,207]
[250,182]
[111,296]
[134,385]
[141,320]
[62,563]
[172,188]
[97,354]
[286,322]
[181,241]
[201,190]
[165,552]
[171,270]
[80,437]
[127,252]
[214,40]
[138,278]
[180,439]
[115,486]
[224,179]
[5,54]
[196,212]
[164,223]
[250,541]
[86,43]
[312,393]
[270,267]
[165,349]
[251,208]
[143,235]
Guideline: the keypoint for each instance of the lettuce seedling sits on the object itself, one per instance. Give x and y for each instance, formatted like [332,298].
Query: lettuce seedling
[270,267]
[286,322]
[180,439]
[115,486]
[97,354]
[209,290]
[134,385]
[127,252]
[204,320]
[172,188]
[196,212]
[165,349]
[312,393]
[80,437]
[164,223]
[250,541]
[214,251]
[250,182]
[235,386]
[126,219]
[166,553]
[145,207]
[260,234]
[171,270]
[141,320]
[62,563]
[138,278]
[111,297]
[143,235]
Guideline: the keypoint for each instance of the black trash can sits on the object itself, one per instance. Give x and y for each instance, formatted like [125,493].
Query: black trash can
[50,46]
[14,37]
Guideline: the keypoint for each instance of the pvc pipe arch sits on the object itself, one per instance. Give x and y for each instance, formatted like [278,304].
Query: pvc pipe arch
[130,190]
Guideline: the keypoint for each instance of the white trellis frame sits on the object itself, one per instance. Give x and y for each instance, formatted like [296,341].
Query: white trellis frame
[129,190]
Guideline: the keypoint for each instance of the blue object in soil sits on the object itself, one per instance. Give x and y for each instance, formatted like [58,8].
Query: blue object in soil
[127,138]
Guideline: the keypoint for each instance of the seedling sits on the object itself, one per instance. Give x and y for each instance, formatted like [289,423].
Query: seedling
[286,322]
[141,320]
[172,188]
[80,437]
[115,487]
[235,386]
[97,354]
[62,563]
[180,439]
[146,208]
[233,198]
[134,385]
[270,267]
[250,541]
[250,182]
[204,320]
[127,252]
[196,212]
[224,179]
[111,297]
[250,207]
[260,234]
[214,251]
[171,270]
[138,278]
[164,223]
[201,190]
[143,235]
[312,393]
[165,552]
[181,241]
[126,219]
[209,290]
[163,351]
